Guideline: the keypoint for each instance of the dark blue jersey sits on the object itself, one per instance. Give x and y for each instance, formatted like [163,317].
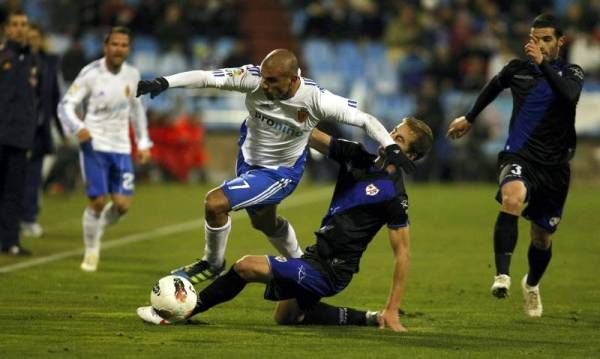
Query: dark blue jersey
[542,125]
[365,199]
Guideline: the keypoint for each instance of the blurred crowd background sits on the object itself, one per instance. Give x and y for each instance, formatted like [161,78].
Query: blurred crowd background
[426,58]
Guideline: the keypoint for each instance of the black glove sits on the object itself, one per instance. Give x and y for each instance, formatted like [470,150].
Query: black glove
[394,156]
[154,87]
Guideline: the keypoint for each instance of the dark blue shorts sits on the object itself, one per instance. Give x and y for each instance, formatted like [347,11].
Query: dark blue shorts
[298,278]
[547,188]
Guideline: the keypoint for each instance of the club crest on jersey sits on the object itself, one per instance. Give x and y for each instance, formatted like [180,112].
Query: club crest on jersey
[127,91]
[6,66]
[281,259]
[302,115]
[371,190]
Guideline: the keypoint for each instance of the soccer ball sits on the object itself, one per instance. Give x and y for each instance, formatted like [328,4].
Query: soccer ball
[173,297]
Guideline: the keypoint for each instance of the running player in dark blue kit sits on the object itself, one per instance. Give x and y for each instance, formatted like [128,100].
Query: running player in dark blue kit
[533,168]
[369,194]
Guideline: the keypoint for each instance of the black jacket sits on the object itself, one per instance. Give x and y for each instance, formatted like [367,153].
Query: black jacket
[17,95]
[49,96]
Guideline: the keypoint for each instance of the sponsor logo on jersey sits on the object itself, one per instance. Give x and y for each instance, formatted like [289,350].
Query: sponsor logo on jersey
[127,91]
[371,190]
[302,115]
[281,259]
[277,126]
[554,221]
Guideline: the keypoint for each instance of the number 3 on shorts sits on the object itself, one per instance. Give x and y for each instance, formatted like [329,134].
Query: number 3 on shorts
[128,181]
[516,169]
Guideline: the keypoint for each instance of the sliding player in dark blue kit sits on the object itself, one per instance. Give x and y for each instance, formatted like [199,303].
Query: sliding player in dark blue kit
[533,168]
[369,194]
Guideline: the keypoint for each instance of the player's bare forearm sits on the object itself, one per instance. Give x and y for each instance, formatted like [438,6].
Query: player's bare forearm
[399,239]
[320,141]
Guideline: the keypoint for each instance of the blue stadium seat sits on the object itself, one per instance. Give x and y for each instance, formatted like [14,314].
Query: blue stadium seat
[91,43]
[223,47]
[145,43]
[319,55]
[350,62]
[391,108]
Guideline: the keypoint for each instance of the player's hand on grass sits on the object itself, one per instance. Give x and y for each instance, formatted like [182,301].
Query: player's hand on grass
[391,319]
[394,156]
[154,87]
[458,128]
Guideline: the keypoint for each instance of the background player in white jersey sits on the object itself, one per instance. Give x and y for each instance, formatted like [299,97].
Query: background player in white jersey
[106,88]
[283,108]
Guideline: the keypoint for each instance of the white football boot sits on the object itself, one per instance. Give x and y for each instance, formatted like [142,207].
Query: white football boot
[500,287]
[149,315]
[90,262]
[533,300]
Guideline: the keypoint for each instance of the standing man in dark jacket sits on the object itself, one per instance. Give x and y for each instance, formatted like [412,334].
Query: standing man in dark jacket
[18,80]
[533,167]
[49,95]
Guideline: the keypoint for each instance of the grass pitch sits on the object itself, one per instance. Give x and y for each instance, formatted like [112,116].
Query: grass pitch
[49,308]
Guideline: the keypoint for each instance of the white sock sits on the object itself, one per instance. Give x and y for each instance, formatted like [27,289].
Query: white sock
[216,242]
[110,215]
[91,227]
[284,240]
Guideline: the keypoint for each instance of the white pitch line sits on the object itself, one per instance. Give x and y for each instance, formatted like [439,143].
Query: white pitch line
[297,200]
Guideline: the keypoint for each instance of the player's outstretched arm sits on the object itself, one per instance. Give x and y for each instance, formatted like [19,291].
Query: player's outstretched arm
[399,240]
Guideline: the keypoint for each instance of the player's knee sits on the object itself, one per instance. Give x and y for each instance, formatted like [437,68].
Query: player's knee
[512,203]
[215,203]
[541,242]
[97,204]
[122,208]
[266,225]
[244,267]
[282,318]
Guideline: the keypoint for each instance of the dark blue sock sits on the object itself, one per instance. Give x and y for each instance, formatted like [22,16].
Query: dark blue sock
[506,233]
[538,262]
[222,289]
[325,314]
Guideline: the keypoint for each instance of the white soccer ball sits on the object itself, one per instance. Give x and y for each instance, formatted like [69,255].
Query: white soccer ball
[173,297]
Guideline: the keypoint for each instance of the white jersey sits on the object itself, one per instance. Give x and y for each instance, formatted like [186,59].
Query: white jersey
[277,131]
[109,102]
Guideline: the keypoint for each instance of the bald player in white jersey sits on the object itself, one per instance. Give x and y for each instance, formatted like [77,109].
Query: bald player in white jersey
[283,109]
[106,89]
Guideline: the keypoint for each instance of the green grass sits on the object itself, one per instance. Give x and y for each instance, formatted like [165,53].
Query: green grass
[55,310]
